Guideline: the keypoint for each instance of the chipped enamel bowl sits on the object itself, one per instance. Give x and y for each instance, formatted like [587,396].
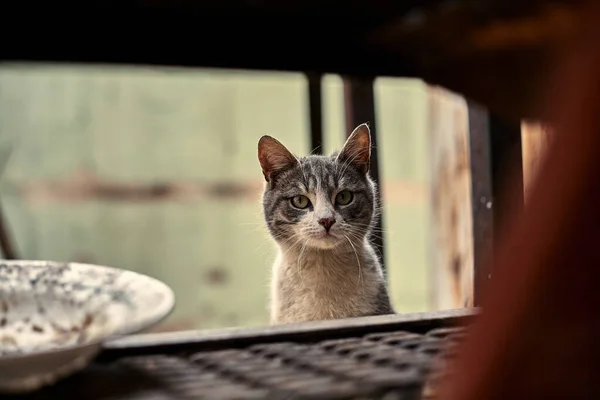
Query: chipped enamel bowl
[54,317]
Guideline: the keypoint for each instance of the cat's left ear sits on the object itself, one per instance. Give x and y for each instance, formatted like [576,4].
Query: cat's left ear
[274,157]
[357,149]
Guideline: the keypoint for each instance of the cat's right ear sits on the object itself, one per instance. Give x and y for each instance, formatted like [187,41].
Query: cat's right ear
[274,158]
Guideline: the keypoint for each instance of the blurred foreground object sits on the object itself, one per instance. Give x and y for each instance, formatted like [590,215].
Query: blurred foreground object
[537,337]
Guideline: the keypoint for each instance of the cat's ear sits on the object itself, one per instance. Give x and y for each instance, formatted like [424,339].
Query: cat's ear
[274,158]
[357,149]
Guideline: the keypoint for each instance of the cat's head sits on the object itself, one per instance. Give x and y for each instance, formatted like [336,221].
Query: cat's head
[318,201]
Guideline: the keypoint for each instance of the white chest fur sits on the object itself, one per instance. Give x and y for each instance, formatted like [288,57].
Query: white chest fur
[318,286]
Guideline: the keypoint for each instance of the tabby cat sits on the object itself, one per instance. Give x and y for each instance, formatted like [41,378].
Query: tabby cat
[320,211]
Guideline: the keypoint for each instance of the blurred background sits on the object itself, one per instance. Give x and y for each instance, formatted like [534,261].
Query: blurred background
[154,170]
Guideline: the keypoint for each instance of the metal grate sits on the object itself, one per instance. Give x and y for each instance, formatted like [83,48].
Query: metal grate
[391,365]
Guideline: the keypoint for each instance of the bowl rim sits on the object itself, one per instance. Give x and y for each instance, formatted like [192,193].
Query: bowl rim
[160,312]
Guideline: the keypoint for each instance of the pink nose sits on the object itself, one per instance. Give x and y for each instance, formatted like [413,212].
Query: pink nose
[327,223]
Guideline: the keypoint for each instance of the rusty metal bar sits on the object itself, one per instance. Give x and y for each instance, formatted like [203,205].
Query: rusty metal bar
[360,108]
[316,112]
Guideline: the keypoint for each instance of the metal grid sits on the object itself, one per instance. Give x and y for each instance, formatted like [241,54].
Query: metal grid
[391,365]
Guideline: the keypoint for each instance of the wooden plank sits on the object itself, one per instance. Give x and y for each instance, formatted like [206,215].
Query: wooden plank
[451,223]
[536,140]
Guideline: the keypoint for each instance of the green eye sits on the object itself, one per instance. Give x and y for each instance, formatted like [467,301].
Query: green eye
[300,201]
[344,197]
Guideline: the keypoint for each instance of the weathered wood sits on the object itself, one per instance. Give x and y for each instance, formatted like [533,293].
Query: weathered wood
[452,222]
[536,140]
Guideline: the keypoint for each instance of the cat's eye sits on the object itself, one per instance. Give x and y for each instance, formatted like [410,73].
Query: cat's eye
[344,197]
[300,201]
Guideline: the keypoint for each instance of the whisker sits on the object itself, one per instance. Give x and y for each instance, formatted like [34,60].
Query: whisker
[357,260]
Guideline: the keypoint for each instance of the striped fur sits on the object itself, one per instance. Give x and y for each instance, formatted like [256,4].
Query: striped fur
[318,273]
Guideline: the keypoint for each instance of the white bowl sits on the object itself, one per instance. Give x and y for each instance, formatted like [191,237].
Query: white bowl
[54,317]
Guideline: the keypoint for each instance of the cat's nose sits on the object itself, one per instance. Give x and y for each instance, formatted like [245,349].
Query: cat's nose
[327,223]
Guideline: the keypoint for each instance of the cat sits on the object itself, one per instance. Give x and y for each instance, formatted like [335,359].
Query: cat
[320,211]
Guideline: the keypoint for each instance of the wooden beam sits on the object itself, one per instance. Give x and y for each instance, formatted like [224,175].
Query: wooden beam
[452,218]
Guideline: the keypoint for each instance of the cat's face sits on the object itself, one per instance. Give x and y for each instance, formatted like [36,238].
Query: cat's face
[318,201]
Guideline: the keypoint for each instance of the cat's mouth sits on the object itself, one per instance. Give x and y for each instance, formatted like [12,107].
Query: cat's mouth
[324,240]
[325,234]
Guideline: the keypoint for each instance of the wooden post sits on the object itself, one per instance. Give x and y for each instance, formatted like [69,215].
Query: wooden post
[471,155]
[482,197]
[360,108]
[452,219]
[536,139]
[315,108]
